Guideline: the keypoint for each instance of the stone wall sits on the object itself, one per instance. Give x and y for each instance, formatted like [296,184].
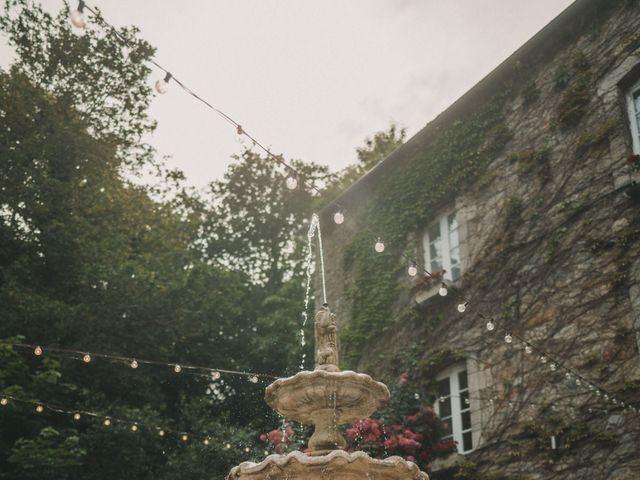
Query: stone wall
[551,248]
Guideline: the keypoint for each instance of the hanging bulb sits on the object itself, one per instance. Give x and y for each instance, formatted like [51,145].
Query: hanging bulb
[206,441]
[462,307]
[107,422]
[253,379]
[227,445]
[162,85]
[134,427]
[292,183]
[76,416]
[543,359]
[568,376]
[413,269]
[528,350]
[379,246]
[338,217]
[266,452]
[177,368]
[4,401]
[161,433]
[215,375]
[247,449]
[134,364]
[39,409]
[553,367]
[184,437]
[416,396]
[86,358]
[443,290]
[37,351]
[578,382]
[77,16]
[491,326]
[508,338]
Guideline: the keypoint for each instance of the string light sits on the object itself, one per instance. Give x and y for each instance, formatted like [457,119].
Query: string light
[76,416]
[543,359]
[184,437]
[491,326]
[37,351]
[292,183]
[77,16]
[462,307]
[39,409]
[553,367]
[86,358]
[508,338]
[107,422]
[338,217]
[247,449]
[4,401]
[253,379]
[162,85]
[413,269]
[215,375]
[443,290]
[134,427]
[134,364]
[227,445]
[379,246]
[177,368]
[205,441]
[528,350]
[161,433]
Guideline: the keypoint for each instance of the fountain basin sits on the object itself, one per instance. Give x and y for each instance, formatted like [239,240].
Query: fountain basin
[326,400]
[337,464]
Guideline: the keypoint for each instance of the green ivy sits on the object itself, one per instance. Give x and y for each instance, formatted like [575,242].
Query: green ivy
[404,203]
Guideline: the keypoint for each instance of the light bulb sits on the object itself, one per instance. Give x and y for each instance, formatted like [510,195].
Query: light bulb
[86,358]
[442,399]
[184,437]
[379,246]
[338,217]
[37,351]
[77,16]
[161,433]
[134,428]
[206,441]
[568,375]
[416,396]
[227,445]
[412,270]
[543,359]
[266,452]
[508,338]
[443,290]
[4,401]
[247,449]
[177,368]
[553,367]
[578,382]
[528,349]
[215,375]
[134,364]
[292,183]
[462,307]
[107,422]
[76,416]
[253,379]
[491,326]
[39,409]
[162,85]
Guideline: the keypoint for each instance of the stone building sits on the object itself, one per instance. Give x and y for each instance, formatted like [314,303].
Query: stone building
[521,199]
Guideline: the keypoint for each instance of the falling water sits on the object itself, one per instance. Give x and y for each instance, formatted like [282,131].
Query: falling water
[314,226]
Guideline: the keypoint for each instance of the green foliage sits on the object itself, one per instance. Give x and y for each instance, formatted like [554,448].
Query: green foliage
[530,94]
[405,202]
[574,101]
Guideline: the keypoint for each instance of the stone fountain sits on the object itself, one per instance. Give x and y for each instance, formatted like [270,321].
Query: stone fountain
[327,398]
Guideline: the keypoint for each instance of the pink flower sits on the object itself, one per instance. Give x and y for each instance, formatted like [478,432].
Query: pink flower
[275,436]
[391,442]
[263,437]
[404,378]
[407,443]
[289,430]
[410,458]
[445,425]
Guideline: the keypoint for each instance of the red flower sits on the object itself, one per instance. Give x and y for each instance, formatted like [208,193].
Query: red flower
[275,436]
[263,437]
[404,378]
[633,158]
[391,442]
[408,443]
[410,458]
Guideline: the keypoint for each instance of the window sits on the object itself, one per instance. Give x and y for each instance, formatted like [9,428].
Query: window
[452,406]
[442,247]
[633,109]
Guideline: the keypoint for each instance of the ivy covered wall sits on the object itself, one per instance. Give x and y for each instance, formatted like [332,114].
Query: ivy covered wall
[538,170]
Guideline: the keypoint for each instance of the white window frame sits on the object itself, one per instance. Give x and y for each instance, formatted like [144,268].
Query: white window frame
[442,220]
[455,397]
[631,111]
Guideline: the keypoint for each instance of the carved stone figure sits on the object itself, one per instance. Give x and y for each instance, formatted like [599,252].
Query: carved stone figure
[326,341]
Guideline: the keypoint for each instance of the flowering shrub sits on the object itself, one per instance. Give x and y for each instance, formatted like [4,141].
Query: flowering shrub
[427,279]
[405,427]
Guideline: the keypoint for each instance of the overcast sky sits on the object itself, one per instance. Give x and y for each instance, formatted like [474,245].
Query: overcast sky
[312,78]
